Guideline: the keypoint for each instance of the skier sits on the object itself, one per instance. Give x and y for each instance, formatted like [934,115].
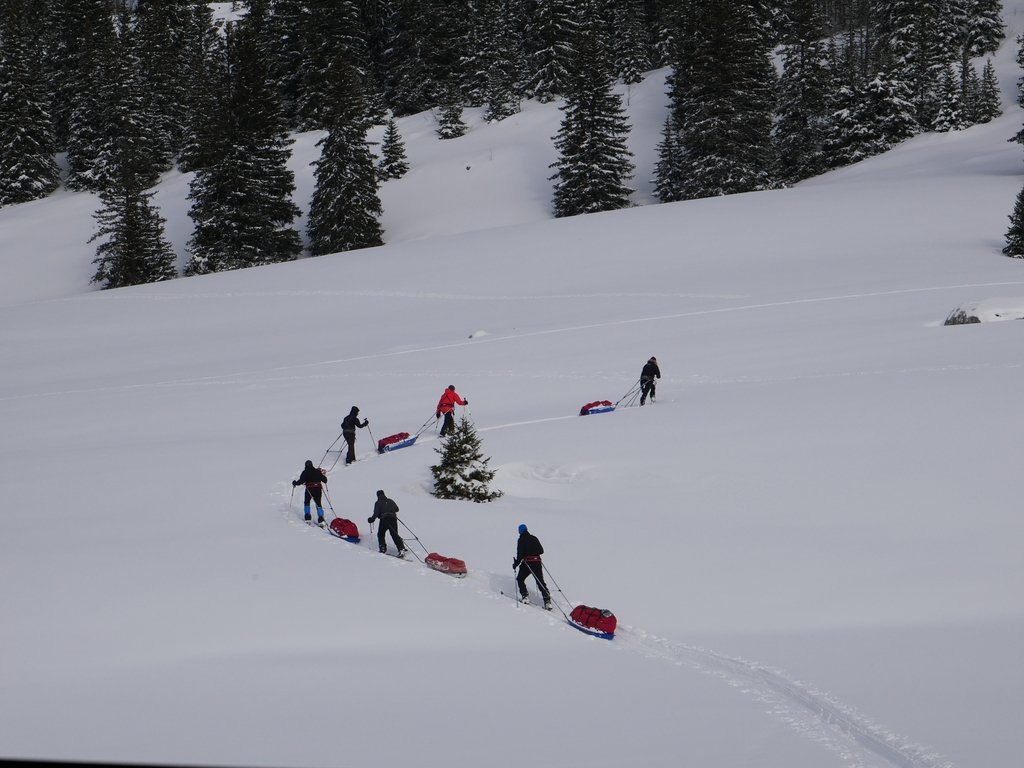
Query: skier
[446,406]
[385,510]
[348,431]
[312,477]
[649,373]
[528,552]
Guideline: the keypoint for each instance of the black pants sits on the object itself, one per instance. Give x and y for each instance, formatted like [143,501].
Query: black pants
[316,494]
[537,571]
[449,424]
[389,524]
[646,390]
[350,440]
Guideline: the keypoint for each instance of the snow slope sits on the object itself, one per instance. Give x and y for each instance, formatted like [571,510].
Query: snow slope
[811,540]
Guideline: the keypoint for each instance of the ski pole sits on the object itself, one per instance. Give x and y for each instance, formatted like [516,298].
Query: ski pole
[291,499]
[327,497]
[371,433]
[540,581]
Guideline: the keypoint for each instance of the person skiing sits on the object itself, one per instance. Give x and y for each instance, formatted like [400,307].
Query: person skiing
[386,510]
[348,431]
[446,407]
[649,373]
[312,477]
[528,552]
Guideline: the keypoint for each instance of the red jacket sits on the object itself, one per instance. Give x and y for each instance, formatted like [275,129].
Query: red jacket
[448,401]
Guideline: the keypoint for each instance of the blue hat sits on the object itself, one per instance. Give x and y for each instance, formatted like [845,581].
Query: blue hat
[522,527]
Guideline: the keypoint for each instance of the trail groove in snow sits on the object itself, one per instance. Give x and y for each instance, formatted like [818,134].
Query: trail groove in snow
[815,715]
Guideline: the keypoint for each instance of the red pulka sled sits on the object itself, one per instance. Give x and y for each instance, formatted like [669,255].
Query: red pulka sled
[395,441]
[450,565]
[598,406]
[344,529]
[599,622]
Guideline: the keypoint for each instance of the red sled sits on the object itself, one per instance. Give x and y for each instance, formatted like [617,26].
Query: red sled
[598,406]
[395,441]
[450,565]
[344,529]
[599,622]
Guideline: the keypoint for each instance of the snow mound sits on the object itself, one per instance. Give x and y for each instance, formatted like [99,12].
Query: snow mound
[987,311]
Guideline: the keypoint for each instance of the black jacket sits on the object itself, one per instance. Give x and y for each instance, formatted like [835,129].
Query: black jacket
[384,507]
[650,372]
[311,476]
[350,422]
[529,548]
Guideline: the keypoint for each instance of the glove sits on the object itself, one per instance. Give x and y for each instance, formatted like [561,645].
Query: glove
[294,483]
[515,564]
[366,422]
[465,401]
[369,519]
[437,415]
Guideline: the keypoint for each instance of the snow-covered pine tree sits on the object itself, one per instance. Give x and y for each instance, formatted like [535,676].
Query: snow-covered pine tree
[502,60]
[462,471]
[393,161]
[1015,234]
[28,165]
[287,30]
[970,93]
[870,120]
[551,30]
[985,27]
[804,88]
[89,88]
[128,119]
[161,48]
[449,123]
[335,30]
[242,206]
[345,211]
[629,43]
[668,181]
[990,101]
[723,95]
[207,116]
[133,250]
[594,161]
[950,116]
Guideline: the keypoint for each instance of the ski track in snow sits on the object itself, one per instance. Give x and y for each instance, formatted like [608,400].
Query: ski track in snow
[856,739]
[240,376]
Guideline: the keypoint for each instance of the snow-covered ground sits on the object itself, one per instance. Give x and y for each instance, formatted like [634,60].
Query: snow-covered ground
[812,540]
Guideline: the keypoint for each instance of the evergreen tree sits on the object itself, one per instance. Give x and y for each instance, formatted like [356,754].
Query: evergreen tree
[462,472]
[990,102]
[1015,234]
[127,117]
[28,166]
[241,206]
[345,211]
[723,92]
[162,54]
[951,110]
[594,161]
[501,60]
[804,87]
[426,52]
[630,48]
[668,180]
[89,89]
[393,163]
[335,30]
[872,119]
[970,93]
[985,29]
[206,122]
[449,124]
[551,30]
[134,250]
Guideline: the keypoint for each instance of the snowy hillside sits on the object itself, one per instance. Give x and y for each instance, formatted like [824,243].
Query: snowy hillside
[812,540]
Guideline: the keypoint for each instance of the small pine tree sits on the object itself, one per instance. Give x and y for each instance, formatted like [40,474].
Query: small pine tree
[989,105]
[135,250]
[462,472]
[450,125]
[393,163]
[1014,247]
[950,116]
